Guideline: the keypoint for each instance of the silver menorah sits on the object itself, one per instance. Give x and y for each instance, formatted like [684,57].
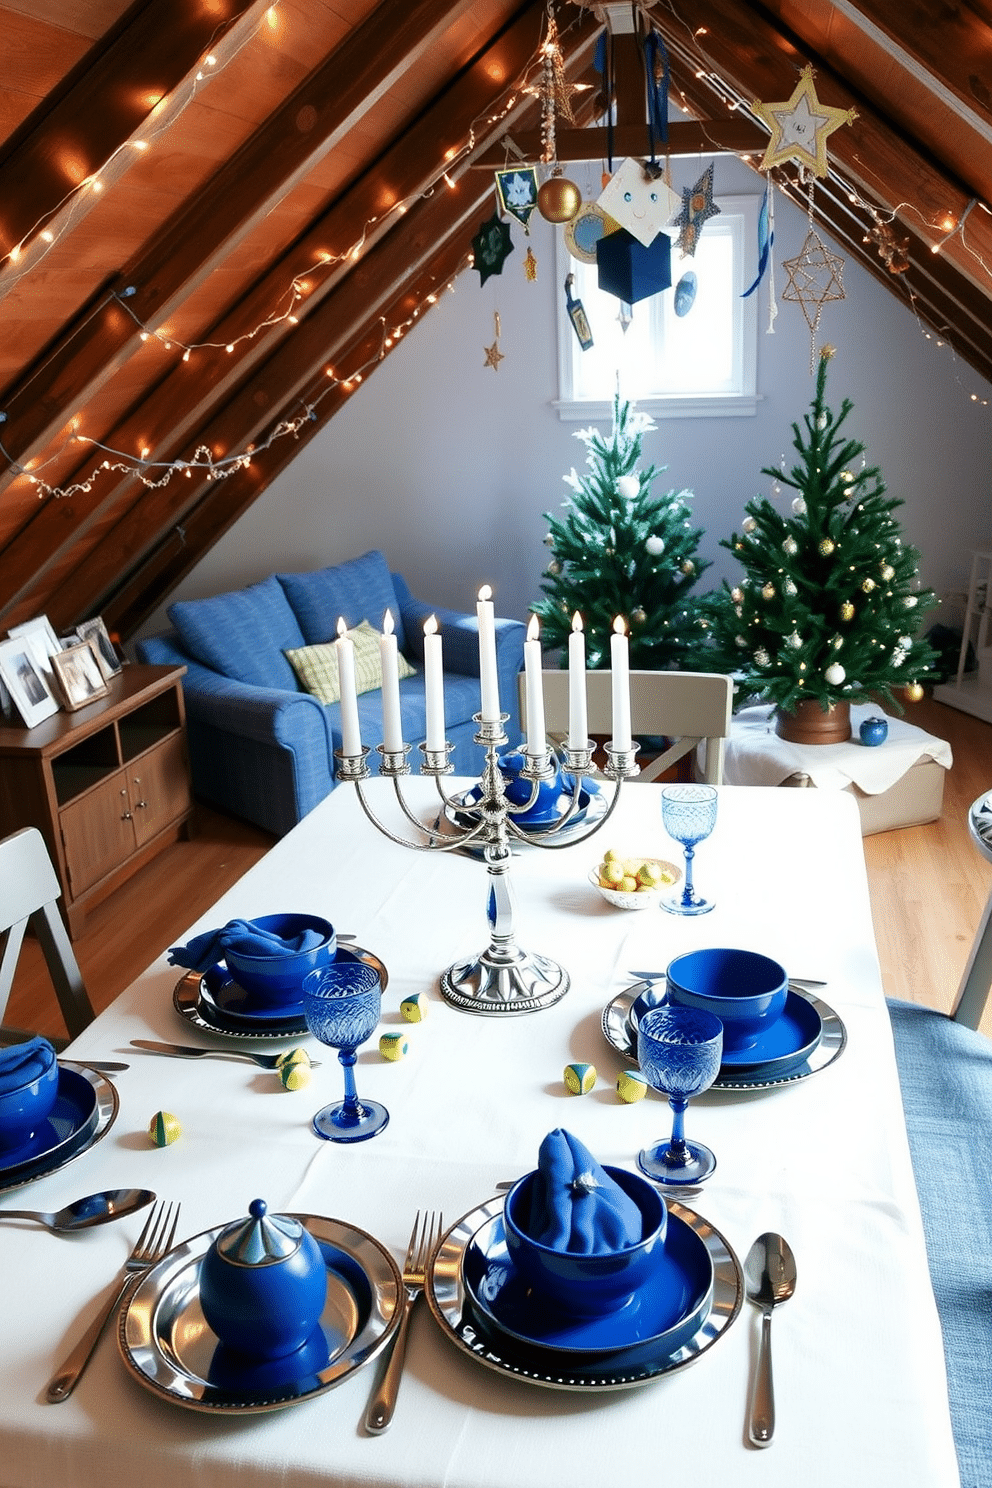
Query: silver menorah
[503,979]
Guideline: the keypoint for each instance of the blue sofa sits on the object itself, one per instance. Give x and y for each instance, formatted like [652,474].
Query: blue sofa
[263,749]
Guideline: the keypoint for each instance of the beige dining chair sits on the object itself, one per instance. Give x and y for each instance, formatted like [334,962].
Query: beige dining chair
[686,708]
[29,892]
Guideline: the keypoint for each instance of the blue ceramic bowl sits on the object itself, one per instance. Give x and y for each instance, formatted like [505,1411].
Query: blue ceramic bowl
[746,991]
[24,1108]
[586,1284]
[277,981]
[518,789]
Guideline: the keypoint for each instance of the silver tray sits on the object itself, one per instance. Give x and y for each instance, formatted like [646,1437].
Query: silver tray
[168,1347]
[186,1001]
[452,1309]
[73,1146]
[616,1031]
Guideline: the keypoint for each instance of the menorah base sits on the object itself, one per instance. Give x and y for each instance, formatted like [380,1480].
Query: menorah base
[504,983]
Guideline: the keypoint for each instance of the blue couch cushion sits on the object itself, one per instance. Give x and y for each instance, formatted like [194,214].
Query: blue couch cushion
[361,589]
[242,634]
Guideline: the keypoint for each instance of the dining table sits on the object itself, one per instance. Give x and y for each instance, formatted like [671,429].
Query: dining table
[821,1158]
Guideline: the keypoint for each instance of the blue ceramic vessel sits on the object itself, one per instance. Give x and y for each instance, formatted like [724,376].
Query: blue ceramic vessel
[746,991]
[873,731]
[24,1106]
[277,981]
[263,1284]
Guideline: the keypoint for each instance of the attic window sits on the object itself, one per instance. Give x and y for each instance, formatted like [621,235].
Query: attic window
[701,364]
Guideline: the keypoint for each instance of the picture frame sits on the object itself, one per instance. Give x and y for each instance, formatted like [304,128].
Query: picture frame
[95,630]
[25,681]
[80,679]
[44,643]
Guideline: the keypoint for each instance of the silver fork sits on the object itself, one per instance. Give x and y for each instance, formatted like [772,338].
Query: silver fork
[152,1244]
[424,1237]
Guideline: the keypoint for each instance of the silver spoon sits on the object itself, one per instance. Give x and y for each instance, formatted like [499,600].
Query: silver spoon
[97,1209]
[770,1275]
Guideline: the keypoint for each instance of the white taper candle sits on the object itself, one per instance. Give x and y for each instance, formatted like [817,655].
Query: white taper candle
[351,734]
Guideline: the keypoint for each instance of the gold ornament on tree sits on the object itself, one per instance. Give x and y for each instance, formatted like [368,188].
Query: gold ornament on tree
[914,692]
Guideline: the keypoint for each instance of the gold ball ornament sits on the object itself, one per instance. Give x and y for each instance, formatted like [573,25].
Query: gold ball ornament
[867,585]
[415,1007]
[688,567]
[393,1046]
[295,1076]
[888,572]
[826,547]
[631,1087]
[164,1129]
[847,610]
[580,1078]
[768,591]
[558,199]
[639,615]
[914,692]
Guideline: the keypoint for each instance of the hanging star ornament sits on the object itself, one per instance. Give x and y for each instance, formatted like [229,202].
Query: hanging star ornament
[800,127]
[491,246]
[493,354]
[530,266]
[698,207]
[815,276]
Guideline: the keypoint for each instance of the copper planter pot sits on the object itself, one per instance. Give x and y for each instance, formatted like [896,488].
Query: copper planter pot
[809,724]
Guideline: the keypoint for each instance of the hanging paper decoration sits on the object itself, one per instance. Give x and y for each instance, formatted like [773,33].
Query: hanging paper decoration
[638,200]
[766,237]
[800,127]
[493,354]
[698,207]
[632,271]
[685,293]
[491,246]
[589,224]
[516,191]
[815,276]
[577,315]
[530,266]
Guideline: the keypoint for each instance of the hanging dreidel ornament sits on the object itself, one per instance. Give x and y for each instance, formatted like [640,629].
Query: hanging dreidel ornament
[558,199]
[577,315]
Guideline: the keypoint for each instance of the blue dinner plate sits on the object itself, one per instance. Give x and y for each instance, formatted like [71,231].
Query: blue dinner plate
[787,1043]
[530,821]
[225,1004]
[70,1123]
[664,1313]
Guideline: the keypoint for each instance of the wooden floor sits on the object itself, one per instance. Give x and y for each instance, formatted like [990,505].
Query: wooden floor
[928,890]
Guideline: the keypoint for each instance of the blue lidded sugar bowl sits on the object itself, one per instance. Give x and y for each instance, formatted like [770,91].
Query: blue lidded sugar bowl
[263,1283]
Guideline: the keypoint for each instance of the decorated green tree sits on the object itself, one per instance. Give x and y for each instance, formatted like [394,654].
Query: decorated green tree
[831,601]
[620,549]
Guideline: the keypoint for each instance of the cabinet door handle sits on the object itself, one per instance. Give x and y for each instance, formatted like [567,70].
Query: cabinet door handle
[126,816]
[138,804]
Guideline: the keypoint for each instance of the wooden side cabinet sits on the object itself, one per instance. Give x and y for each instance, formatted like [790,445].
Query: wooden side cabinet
[107,786]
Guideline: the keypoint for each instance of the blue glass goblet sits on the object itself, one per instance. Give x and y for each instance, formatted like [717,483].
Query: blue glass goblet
[679,1051]
[688,813]
[341,1004]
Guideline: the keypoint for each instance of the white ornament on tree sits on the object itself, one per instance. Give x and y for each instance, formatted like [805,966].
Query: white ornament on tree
[748,525]
[834,674]
[654,545]
[628,486]
[799,506]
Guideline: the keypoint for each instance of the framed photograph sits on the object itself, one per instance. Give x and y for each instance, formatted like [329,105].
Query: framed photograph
[25,681]
[95,630]
[41,638]
[80,679]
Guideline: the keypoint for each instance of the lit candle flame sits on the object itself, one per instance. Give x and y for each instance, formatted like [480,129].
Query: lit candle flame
[576,621]
[485,593]
[620,625]
[387,623]
[430,626]
[342,627]
[533,629]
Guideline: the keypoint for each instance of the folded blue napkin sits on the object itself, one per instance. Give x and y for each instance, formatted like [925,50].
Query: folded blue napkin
[575,1204]
[22,1063]
[243,937]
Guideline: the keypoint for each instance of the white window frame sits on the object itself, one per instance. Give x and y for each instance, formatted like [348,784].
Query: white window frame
[739,217]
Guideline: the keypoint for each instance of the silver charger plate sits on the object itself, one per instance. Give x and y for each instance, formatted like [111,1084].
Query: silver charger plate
[186,999]
[168,1347]
[107,1105]
[452,1309]
[616,1031]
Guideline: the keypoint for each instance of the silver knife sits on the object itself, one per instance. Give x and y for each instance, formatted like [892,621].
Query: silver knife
[189,1051]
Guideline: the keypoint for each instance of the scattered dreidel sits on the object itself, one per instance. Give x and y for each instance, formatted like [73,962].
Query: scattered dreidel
[415,1007]
[393,1046]
[580,1078]
[631,1087]
[295,1075]
[293,1056]
[164,1129]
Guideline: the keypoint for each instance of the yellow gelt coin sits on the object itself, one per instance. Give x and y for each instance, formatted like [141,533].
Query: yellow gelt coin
[164,1129]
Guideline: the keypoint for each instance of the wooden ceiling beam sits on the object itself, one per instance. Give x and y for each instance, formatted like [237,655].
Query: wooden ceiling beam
[114,92]
[289,378]
[172,412]
[692,138]
[315,117]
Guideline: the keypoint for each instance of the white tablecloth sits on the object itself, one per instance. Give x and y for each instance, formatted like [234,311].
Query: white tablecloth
[755,755]
[859,1374]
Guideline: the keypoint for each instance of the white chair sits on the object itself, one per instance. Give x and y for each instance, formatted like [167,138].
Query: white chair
[687,707]
[29,891]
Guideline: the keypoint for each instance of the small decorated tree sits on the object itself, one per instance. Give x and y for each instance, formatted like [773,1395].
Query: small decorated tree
[830,601]
[620,549]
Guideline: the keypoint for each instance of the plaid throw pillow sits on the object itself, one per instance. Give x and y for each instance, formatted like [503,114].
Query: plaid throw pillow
[317,666]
